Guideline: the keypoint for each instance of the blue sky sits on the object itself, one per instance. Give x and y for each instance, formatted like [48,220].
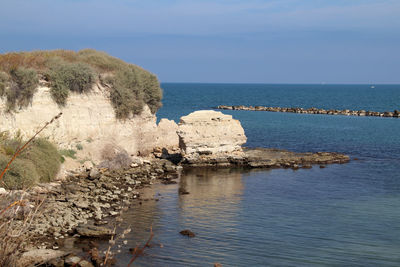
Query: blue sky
[261,41]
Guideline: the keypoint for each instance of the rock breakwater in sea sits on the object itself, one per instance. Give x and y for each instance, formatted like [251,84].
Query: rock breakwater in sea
[345,112]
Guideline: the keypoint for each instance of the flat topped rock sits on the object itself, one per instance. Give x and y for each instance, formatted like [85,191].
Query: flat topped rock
[205,116]
[210,133]
[271,158]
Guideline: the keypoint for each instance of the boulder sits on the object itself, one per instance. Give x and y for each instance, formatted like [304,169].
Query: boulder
[40,256]
[93,231]
[87,165]
[210,134]
[3,191]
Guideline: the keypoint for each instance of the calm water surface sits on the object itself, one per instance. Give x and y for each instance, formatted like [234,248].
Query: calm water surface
[343,215]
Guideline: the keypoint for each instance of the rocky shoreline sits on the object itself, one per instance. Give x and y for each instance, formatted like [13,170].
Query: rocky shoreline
[86,204]
[345,112]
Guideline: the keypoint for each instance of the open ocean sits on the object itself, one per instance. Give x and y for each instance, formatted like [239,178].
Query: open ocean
[343,215]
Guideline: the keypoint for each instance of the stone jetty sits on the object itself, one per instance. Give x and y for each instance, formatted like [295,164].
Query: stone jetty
[345,112]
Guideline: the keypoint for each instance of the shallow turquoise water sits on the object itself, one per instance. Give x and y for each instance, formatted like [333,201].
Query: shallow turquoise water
[338,216]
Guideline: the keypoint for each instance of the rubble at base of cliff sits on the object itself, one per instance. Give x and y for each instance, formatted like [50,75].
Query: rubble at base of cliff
[86,204]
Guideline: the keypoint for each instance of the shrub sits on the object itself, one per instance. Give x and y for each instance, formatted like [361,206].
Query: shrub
[65,77]
[21,174]
[68,153]
[128,94]
[152,90]
[45,157]
[3,83]
[23,86]
[39,163]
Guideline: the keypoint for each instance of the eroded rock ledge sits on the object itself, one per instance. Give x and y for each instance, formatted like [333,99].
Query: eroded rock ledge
[270,158]
[212,139]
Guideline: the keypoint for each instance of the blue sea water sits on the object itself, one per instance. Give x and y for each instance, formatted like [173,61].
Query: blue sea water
[342,215]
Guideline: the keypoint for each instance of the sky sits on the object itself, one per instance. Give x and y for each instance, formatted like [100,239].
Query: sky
[234,41]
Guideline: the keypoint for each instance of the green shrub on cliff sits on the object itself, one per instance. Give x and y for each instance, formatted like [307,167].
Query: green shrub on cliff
[39,163]
[24,82]
[130,86]
[64,77]
[131,89]
[3,83]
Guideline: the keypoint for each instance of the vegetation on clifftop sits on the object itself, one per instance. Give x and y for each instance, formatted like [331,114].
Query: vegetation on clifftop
[131,87]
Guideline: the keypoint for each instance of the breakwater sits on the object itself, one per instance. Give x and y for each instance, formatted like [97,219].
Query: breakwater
[345,112]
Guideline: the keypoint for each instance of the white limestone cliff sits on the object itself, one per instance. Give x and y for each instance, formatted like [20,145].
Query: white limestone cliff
[88,121]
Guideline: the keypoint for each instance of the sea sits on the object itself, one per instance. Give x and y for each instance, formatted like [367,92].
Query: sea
[341,215]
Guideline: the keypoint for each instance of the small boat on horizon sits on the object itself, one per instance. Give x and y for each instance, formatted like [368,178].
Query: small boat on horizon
[372,86]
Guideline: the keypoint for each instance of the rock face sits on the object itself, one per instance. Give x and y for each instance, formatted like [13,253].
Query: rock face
[88,120]
[208,134]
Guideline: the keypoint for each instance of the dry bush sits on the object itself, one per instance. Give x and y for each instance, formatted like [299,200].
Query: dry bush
[114,157]
[16,216]
[3,83]
[24,82]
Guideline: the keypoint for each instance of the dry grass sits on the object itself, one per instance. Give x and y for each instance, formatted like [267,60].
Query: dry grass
[16,216]
[16,213]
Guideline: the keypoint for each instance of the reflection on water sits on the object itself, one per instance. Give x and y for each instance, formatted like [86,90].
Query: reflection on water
[332,216]
[209,210]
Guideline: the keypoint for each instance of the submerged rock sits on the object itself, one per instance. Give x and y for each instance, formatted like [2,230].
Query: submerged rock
[187,233]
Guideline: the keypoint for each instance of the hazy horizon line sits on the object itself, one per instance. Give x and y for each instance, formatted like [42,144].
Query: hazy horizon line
[284,83]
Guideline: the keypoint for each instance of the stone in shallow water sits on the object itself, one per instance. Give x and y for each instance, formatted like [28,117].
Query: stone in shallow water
[93,231]
[187,233]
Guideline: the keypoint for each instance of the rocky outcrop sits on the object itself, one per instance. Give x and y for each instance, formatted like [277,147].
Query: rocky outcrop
[89,123]
[207,135]
[271,158]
